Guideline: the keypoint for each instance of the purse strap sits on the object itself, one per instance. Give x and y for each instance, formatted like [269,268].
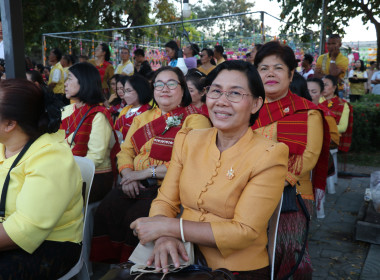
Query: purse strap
[300,256]
[80,123]
[7,179]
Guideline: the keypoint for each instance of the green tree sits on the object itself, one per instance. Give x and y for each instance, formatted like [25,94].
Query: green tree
[49,16]
[303,14]
[232,26]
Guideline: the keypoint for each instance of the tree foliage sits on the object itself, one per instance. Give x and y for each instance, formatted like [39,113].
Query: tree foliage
[49,16]
[232,26]
[303,14]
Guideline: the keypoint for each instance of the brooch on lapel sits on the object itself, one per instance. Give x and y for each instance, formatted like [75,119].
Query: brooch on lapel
[230,174]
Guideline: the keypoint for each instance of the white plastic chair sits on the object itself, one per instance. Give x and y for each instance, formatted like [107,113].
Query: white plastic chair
[87,169]
[120,136]
[272,236]
[333,179]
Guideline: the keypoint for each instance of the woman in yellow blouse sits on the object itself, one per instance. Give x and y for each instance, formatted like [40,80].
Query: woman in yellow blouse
[88,125]
[298,123]
[228,179]
[41,234]
[143,162]
[207,59]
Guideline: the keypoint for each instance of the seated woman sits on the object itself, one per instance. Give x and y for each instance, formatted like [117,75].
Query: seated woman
[298,123]
[88,125]
[41,234]
[137,94]
[145,155]
[229,180]
[114,103]
[316,87]
[342,110]
[195,82]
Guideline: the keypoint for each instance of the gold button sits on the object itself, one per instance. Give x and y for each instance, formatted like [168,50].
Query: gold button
[214,173]
[202,219]
[204,189]
[203,210]
[200,201]
[218,164]
[210,182]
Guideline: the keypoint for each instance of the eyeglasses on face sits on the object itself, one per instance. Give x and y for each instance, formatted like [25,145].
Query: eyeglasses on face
[235,95]
[171,84]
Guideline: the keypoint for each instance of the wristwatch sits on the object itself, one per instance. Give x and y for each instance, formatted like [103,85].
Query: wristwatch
[332,61]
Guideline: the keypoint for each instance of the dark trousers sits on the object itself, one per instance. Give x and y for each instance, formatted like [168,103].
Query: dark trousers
[50,261]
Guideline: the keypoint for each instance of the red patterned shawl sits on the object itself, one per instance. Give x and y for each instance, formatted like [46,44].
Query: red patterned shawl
[336,105]
[291,113]
[162,144]
[123,124]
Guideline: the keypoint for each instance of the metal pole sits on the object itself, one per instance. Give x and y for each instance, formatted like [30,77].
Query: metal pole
[11,17]
[321,37]
[262,28]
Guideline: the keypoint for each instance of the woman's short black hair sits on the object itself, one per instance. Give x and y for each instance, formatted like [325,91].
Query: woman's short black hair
[106,49]
[254,80]
[36,109]
[186,98]
[284,52]
[90,91]
[198,80]
[141,85]
[36,77]
[299,86]
[318,81]
[362,67]
[194,48]
[210,53]
[58,54]
[173,45]
[334,82]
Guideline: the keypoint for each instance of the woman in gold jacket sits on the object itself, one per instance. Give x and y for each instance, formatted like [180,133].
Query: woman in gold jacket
[229,180]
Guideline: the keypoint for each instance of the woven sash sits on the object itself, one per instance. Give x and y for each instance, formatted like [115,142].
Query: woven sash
[82,137]
[162,144]
[123,124]
[336,105]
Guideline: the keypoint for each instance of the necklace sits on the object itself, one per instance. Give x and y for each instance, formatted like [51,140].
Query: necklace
[72,123]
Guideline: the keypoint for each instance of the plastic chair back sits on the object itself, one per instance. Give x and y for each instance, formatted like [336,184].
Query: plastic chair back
[87,169]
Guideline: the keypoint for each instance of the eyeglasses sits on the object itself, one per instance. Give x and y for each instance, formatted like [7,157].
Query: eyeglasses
[172,84]
[235,96]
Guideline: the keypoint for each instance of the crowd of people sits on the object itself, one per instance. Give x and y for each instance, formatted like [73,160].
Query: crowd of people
[203,157]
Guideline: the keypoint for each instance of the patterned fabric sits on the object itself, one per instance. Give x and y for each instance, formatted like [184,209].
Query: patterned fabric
[336,105]
[123,123]
[290,113]
[163,144]
[82,137]
[113,240]
[115,110]
[288,246]
[203,110]
[51,260]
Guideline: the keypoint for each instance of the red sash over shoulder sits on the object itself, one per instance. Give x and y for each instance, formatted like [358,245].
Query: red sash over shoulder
[162,144]
[82,137]
[336,105]
[291,113]
[123,124]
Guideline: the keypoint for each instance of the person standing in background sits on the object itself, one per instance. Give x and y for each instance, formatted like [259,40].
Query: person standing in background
[56,77]
[142,66]
[370,72]
[218,54]
[307,71]
[358,79]
[126,66]
[190,52]
[333,63]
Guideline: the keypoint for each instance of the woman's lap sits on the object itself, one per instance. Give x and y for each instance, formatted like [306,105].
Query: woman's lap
[50,261]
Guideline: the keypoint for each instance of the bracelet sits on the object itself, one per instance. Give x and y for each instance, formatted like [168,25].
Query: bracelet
[181,229]
[153,168]
[332,61]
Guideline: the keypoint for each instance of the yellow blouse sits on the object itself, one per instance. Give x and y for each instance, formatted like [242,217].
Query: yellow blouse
[127,157]
[310,155]
[237,207]
[44,199]
[204,71]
